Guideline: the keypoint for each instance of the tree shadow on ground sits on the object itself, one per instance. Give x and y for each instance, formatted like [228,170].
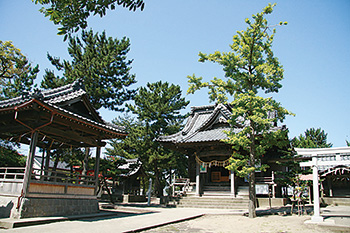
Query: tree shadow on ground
[5,211]
[284,211]
[112,214]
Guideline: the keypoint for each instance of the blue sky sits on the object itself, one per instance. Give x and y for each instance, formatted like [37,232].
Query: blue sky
[168,35]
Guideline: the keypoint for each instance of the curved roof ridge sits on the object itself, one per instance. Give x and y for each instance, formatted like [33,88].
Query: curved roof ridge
[194,108]
[75,89]
[219,108]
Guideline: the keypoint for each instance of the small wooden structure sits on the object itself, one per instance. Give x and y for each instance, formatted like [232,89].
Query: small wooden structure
[59,118]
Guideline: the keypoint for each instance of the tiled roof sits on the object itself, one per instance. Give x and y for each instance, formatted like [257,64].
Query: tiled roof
[54,96]
[132,166]
[57,97]
[206,124]
[199,125]
[208,135]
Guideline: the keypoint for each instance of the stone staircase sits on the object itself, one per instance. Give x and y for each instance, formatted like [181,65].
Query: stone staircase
[213,202]
[216,196]
[217,189]
[243,191]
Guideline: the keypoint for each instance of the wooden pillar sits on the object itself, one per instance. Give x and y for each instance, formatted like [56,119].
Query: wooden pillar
[316,217]
[42,165]
[29,162]
[197,180]
[232,176]
[273,185]
[47,163]
[97,167]
[329,182]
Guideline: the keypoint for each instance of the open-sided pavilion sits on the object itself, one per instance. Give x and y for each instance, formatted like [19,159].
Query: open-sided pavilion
[59,118]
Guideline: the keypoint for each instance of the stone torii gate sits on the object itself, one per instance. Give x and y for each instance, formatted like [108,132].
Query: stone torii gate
[316,154]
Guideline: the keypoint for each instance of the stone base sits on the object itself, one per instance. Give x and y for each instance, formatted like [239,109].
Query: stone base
[341,201]
[133,198]
[43,207]
[316,219]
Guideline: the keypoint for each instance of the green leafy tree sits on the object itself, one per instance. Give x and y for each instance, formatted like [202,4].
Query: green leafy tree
[137,145]
[101,63]
[134,145]
[72,15]
[17,74]
[312,138]
[347,142]
[109,170]
[291,176]
[9,157]
[250,68]
[157,107]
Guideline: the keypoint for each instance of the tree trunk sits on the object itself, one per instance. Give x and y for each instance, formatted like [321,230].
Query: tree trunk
[108,191]
[157,185]
[252,195]
[252,192]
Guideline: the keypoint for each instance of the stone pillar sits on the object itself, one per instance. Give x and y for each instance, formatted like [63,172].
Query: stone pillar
[232,176]
[29,163]
[197,180]
[316,217]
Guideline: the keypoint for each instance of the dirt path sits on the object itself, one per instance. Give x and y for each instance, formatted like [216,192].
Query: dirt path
[232,223]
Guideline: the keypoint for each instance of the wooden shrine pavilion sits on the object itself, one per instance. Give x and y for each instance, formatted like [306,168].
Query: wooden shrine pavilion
[201,139]
[59,118]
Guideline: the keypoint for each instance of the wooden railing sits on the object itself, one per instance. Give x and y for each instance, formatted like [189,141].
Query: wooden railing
[47,183]
[11,180]
[59,177]
[12,174]
[183,184]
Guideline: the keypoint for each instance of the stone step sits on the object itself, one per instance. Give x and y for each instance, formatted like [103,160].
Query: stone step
[217,202]
[243,191]
[217,194]
[217,188]
[236,207]
[210,199]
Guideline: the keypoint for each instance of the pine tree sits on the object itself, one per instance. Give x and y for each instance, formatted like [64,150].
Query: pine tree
[312,138]
[157,108]
[101,62]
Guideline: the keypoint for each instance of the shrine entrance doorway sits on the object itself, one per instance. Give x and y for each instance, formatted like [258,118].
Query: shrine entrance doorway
[219,174]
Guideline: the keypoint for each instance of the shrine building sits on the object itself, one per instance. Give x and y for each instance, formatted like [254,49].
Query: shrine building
[201,139]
